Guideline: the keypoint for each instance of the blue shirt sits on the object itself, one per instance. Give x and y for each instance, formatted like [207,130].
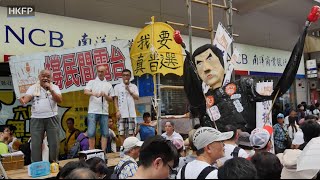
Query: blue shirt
[146,131]
[279,136]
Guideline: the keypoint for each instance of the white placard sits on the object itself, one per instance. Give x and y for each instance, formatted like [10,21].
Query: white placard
[223,40]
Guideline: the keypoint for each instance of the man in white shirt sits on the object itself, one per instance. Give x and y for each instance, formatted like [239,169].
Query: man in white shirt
[209,144]
[231,149]
[100,92]
[44,111]
[125,94]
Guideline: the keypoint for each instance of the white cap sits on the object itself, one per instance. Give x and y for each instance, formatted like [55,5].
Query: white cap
[289,159]
[259,138]
[131,142]
[207,135]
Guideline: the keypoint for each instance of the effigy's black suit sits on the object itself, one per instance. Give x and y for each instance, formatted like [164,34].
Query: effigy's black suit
[239,108]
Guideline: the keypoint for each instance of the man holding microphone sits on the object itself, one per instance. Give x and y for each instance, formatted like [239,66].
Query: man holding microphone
[100,92]
[44,111]
[125,94]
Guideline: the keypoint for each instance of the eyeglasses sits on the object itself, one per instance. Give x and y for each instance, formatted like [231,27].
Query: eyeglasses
[126,75]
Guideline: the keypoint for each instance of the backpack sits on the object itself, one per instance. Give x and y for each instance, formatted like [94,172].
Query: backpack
[73,153]
[203,174]
[235,152]
[116,172]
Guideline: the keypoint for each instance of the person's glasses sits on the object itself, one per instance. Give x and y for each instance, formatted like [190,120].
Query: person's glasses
[125,75]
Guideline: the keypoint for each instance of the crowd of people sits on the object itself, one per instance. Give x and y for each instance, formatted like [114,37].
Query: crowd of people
[208,153]
[204,153]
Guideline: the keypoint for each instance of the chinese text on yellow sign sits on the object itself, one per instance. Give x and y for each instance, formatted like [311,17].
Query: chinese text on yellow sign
[155,51]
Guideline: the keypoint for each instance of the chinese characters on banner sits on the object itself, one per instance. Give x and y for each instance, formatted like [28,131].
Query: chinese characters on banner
[71,69]
[263,108]
[263,117]
[155,51]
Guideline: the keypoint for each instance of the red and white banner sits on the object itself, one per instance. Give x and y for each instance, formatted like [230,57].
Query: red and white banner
[73,68]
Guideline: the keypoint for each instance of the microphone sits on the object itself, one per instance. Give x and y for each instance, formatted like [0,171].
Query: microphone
[126,81]
[46,88]
[101,103]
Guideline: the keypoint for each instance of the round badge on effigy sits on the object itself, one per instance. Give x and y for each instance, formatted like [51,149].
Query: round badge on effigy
[210,101]
[231,89]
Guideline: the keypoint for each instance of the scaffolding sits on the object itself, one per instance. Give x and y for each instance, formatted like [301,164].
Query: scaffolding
[227,6]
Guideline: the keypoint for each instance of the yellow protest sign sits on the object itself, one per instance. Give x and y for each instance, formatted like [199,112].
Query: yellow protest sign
[155,51]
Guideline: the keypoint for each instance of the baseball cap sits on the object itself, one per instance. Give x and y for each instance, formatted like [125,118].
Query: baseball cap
[178,143]
[207,135]
[131,142]
[243,139]
[259,138]
[280,115]
[289,159]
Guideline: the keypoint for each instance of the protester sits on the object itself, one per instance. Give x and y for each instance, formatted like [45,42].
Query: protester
[292,127]
[293,114]
[146,129]
[237,168]
[184,160]
[72,134]
[244,143]
[314,111]
[179,144]
[170,133]
[289,160]
[131,150]
[209,144]
[125,94]
[69,167]
[100,92]
[99,166]
[231,149]
[301,112]
[279,134]
[260,140]
[83,138]
[82,173]
[287,109]
[297,139]
[157,156]
[13,142]
[112,138]
[45,96]
[267,164]
[310,129]
[4,136]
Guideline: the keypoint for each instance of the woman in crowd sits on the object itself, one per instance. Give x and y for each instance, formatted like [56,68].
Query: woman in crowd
[292,127]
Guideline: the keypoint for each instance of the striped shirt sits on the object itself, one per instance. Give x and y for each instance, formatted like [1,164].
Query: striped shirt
[129,170]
